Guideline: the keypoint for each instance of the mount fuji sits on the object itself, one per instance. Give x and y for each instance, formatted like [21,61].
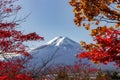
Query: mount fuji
[60,50]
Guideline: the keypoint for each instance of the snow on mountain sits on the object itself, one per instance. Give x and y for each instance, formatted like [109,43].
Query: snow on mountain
[58,41]
[60,50]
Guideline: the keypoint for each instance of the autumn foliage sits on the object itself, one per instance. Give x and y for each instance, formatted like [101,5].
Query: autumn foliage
[107,47]
[11,41]
[78,71]
[105,15]
[12,71]
[95,11]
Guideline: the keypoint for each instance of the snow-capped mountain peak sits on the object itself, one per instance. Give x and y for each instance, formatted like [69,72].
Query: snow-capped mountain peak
[63,41]
[58,50]
[57,40]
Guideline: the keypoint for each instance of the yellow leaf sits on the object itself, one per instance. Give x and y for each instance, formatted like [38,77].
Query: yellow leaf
[93,32]
[97,22]
[117,25]
[112,0]
[74,11]
[87,27]
[118,6]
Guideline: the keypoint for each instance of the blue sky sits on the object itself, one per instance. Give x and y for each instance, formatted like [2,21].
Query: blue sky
[50,18]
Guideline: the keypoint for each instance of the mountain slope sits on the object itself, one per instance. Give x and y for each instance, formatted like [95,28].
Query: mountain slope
[58,50]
